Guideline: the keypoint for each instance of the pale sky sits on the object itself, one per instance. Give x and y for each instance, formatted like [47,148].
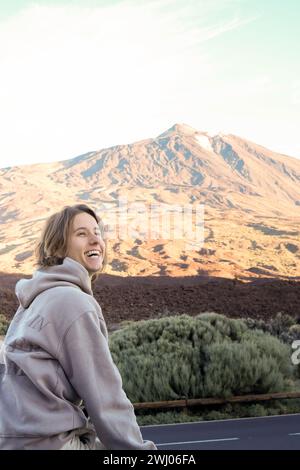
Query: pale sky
[79,76]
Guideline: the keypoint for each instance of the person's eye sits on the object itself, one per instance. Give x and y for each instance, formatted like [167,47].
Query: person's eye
[81,233]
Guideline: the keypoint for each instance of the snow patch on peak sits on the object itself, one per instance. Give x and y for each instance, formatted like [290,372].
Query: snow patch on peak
[204,142]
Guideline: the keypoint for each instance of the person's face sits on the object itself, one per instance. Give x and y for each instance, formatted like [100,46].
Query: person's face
[85,243]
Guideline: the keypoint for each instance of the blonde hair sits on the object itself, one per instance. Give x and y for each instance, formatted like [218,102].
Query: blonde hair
[52,246]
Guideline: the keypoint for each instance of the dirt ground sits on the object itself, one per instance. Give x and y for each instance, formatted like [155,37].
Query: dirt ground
[151,297]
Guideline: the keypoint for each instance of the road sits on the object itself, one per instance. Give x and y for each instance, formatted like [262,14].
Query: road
[264,433]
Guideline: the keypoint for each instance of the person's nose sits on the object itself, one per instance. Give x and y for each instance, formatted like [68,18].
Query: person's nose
[94,239]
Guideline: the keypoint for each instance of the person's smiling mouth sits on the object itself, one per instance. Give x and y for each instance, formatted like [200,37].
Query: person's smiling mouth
[93,253]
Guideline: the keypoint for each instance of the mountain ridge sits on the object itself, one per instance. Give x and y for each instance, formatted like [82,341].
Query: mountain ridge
[251,197]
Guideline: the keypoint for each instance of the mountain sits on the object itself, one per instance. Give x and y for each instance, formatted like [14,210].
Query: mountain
[251,199]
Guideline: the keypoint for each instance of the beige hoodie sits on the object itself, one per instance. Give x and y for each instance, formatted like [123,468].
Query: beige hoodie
[56,355]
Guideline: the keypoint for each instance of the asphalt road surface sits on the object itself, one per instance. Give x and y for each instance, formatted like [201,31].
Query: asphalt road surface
[266,433]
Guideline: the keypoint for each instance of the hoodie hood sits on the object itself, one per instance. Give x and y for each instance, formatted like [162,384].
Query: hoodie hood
[69,273]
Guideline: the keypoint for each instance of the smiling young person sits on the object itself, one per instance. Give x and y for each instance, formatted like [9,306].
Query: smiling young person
[59,386]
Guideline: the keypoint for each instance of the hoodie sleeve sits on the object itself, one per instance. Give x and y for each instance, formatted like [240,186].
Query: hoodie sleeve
[85,356]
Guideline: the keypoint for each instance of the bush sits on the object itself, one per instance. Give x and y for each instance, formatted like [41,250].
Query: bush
[165,417]
[282,326]
[228,411]
[204,356]
[259,364]
[4,324]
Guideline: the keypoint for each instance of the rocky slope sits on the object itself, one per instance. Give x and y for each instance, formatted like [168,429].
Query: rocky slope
[250,194]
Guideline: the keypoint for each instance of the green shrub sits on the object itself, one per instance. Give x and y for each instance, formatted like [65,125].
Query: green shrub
[282,326]
[228,411]
[164,417]
[204,356]
[257,365]
[4,324]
